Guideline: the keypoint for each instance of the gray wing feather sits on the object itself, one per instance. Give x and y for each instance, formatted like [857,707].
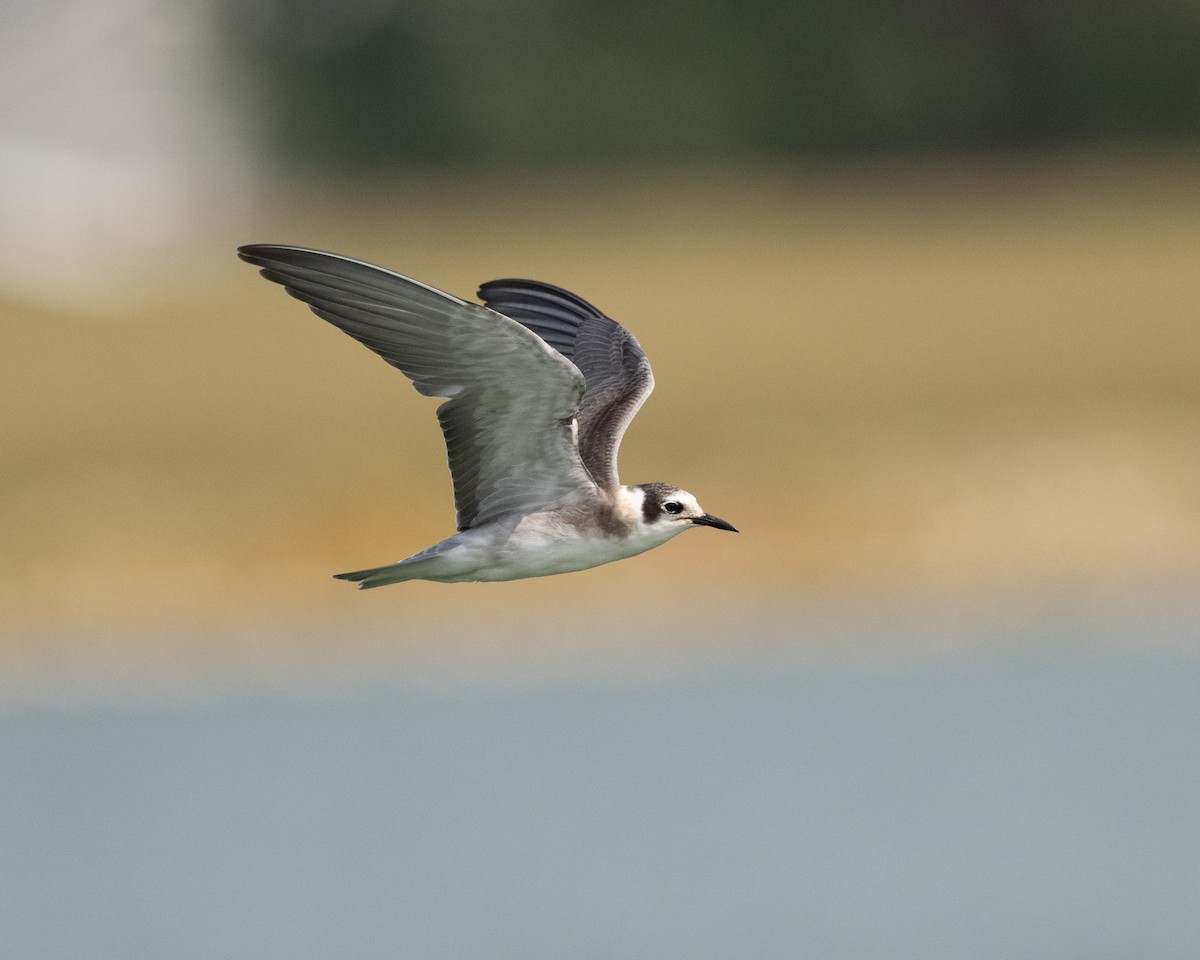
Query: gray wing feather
[511,399]
[612,362]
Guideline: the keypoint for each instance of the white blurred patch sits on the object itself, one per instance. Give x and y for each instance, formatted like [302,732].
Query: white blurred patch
[114,144]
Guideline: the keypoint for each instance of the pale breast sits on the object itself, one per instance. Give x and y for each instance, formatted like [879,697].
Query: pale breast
[543,544]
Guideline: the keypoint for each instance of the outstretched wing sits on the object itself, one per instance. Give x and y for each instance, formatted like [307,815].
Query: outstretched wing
[615,367]
[512,399]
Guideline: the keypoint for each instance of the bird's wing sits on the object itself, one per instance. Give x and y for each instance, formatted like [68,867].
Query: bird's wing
[508,419]
[613,364]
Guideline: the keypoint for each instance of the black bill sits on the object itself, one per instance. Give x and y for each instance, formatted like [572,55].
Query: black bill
[708,520]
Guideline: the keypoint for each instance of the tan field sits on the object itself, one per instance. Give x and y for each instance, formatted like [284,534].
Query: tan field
[930,387]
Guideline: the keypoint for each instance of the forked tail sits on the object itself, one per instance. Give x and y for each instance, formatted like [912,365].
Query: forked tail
[381,576]
[445,560]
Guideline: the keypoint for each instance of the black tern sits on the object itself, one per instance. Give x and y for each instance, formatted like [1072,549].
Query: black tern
[539,388]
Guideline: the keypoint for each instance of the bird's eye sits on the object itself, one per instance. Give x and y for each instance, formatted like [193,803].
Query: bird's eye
[672,506]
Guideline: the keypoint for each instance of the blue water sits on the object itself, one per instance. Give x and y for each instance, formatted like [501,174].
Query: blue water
[962,805]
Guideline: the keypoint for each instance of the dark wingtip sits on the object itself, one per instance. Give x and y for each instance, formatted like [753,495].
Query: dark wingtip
[260,254]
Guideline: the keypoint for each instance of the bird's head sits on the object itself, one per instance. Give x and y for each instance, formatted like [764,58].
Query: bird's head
[665,507]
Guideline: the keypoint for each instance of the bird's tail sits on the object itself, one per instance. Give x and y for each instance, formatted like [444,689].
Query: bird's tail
[381,576]
[445,560]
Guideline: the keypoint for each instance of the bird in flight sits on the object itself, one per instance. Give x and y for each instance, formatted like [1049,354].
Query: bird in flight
[539,387]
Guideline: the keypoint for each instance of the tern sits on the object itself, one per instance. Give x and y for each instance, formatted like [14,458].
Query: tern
[539,388]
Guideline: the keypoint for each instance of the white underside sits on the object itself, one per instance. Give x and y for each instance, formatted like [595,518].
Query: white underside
[540,546]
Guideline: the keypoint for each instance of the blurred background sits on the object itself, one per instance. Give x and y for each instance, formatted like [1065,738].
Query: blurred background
[919,286]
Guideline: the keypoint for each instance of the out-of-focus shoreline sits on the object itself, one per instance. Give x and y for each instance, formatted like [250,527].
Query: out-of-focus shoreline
[931,392]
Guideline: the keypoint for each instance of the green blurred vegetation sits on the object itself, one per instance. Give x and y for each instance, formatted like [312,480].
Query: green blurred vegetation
[382,84]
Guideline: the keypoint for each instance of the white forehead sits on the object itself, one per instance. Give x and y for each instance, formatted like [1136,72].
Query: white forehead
[690,504]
